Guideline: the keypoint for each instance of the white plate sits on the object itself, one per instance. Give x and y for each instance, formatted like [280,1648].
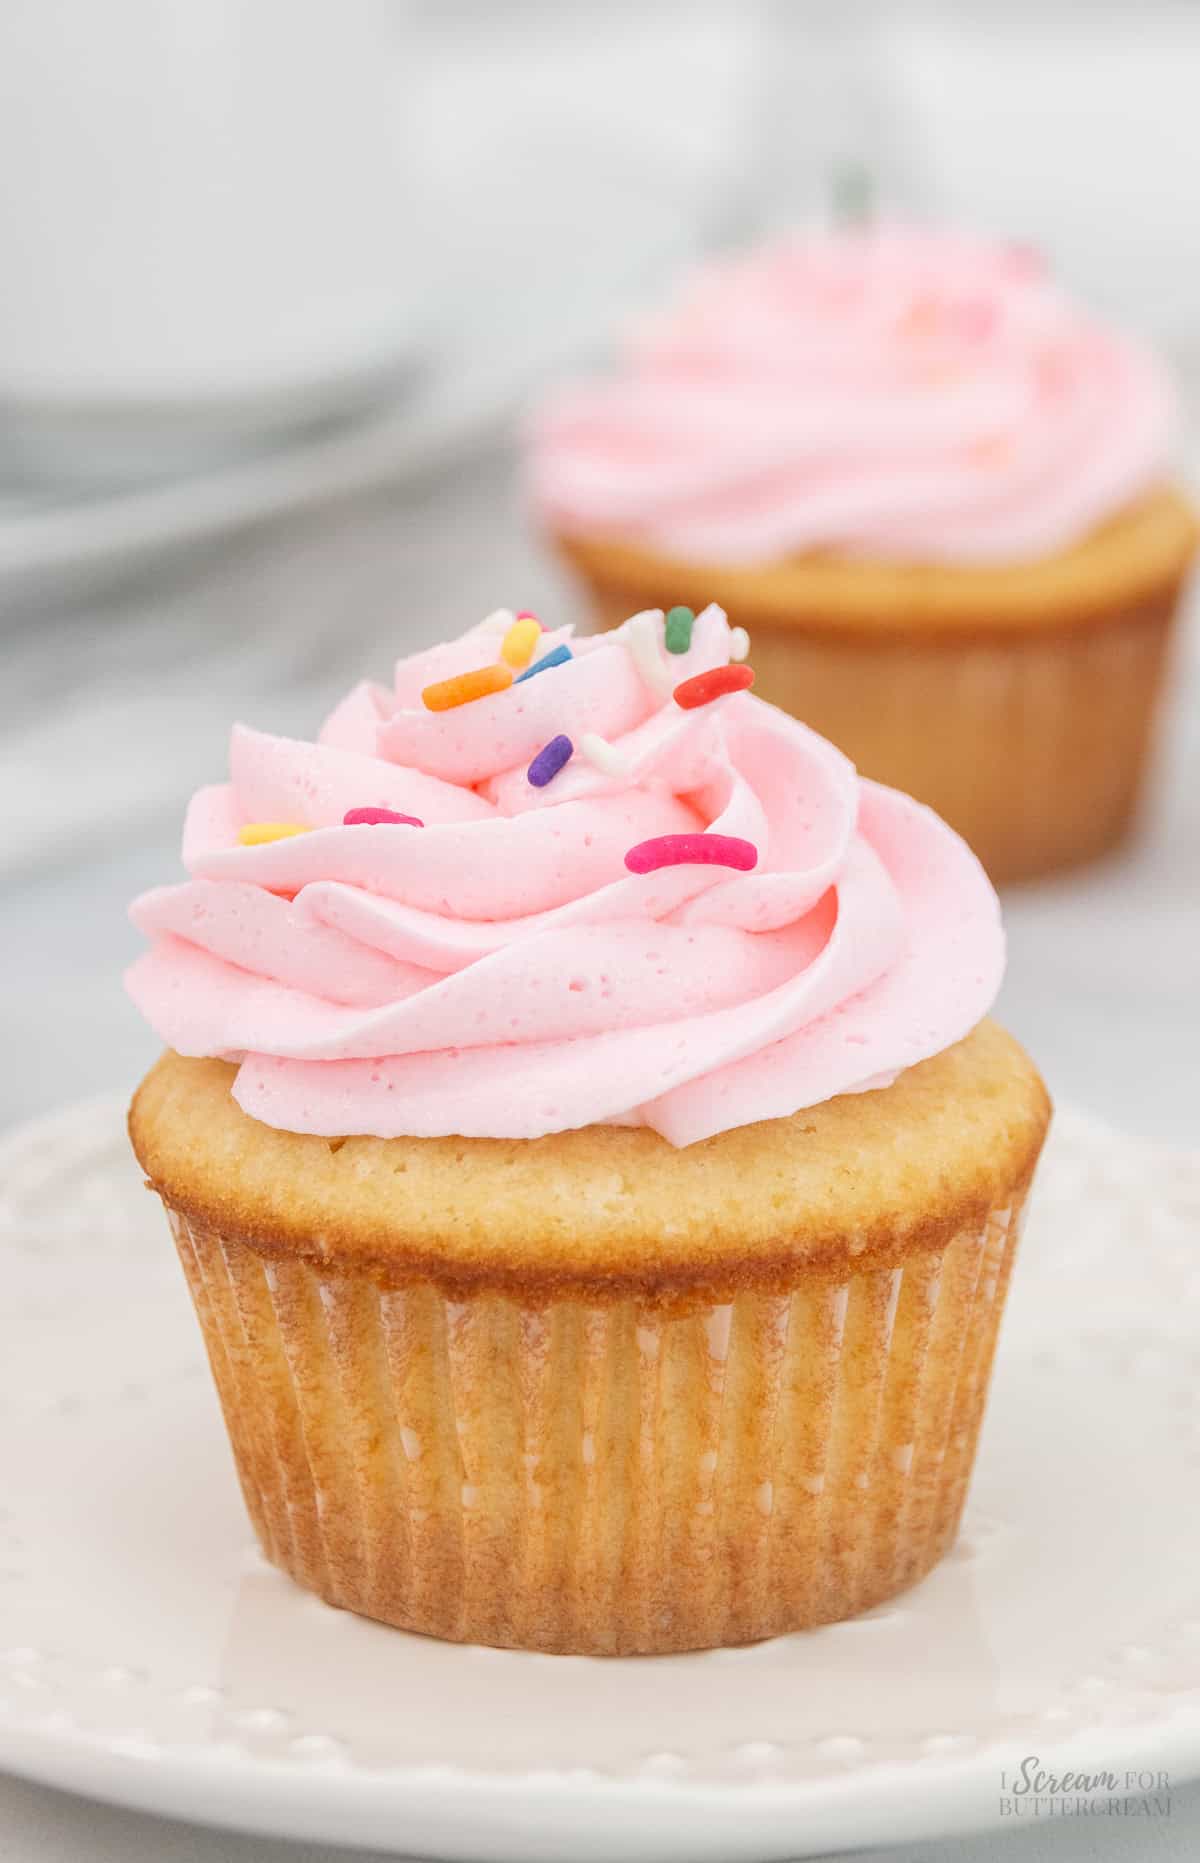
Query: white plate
[148,1656]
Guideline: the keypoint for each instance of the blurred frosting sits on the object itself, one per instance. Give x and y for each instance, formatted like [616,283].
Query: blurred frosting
[499,972]
[909,394]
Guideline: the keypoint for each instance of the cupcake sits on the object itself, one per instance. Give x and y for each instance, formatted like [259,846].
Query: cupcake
[595,1174]
[939,495]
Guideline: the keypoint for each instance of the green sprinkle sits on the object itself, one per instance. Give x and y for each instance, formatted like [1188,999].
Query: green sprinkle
[678,636]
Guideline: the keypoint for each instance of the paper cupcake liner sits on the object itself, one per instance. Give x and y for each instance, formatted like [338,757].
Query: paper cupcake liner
[1032,742]
[607,1477]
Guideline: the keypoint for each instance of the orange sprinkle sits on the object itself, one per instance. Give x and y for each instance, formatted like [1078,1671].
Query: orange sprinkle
[257,834]
[445,694]
[518,644]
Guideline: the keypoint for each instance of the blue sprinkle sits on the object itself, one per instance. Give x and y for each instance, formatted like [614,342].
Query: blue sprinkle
[549,761]
[557,656]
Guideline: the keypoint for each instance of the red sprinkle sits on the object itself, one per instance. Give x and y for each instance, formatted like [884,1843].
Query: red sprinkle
[685,850]
[354,817]
[703,688]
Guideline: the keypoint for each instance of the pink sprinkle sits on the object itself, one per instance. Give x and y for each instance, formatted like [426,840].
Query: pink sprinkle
[527,614]
[682,850]
[353,818]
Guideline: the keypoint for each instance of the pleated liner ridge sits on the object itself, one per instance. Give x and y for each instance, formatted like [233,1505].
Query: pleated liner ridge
[606,1478]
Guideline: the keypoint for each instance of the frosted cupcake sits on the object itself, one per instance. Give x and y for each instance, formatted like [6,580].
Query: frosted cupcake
[938,494]
[595,1176]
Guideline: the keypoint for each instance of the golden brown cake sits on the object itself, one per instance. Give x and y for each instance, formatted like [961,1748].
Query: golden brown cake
[938,496]
[595,1173]
[590,1392]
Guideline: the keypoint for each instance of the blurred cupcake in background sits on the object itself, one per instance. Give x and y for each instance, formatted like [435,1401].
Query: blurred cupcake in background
[937,492]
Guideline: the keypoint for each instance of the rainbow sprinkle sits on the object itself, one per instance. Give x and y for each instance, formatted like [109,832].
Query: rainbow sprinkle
[739,643]
[684,850]
[677,635]
[371,818]
[640,634]
[604,756]
[521,639]
[445,694]
[715,684]
[557,656]
[258,834]
[550,760]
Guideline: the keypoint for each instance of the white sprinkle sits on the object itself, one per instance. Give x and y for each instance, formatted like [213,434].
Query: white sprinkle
[640,634]
[498,622]
[604,756]
[739,643]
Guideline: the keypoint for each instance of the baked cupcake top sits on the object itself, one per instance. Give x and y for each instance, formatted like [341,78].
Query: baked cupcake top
[542,883]
[906,394]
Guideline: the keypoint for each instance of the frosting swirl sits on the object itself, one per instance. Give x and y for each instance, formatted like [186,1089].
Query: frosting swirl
[500,972]
[908,394]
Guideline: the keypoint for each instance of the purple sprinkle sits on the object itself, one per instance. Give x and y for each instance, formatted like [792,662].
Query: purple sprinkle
[549,761]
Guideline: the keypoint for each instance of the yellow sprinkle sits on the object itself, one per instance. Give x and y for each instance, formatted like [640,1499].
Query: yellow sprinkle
[257,834]
[518,644]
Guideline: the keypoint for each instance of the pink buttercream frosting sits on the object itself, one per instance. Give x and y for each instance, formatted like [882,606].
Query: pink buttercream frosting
[908,394]
[500,972]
